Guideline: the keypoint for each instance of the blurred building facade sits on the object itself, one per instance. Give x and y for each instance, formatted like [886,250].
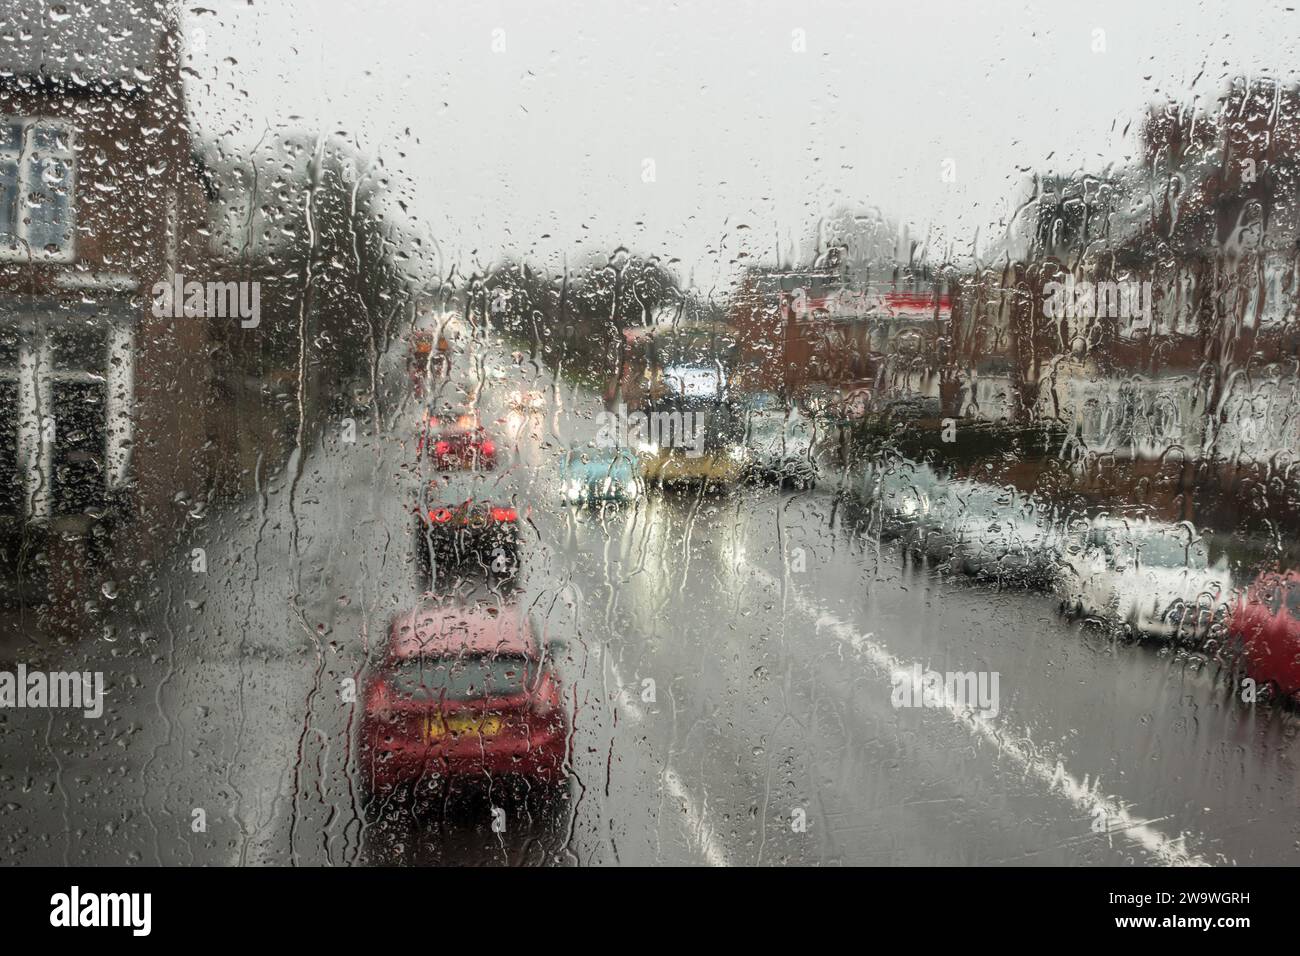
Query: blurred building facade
[101,402]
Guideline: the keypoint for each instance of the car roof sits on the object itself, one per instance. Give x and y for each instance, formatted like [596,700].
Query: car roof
[909,474]
[598,454]
[455,431]
[453,411]
[437,629]
[1290,577]
[1140,529]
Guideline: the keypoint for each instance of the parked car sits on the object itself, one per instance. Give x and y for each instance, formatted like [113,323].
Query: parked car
[593,476]
[900,497]
[778,443]
[464,693]
[911,408]
[1154,578]
[1265,628]
[972,527]
[994,533]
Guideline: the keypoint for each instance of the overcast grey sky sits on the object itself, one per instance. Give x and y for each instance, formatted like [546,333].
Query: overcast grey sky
[539,149]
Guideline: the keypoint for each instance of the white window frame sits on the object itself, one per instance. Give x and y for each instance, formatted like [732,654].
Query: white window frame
[22,251]
[35,376]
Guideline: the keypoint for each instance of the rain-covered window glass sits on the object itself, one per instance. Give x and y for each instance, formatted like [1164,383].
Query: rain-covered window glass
[37,182]
[610,433]
[79,355]
[11,164]
[10,487]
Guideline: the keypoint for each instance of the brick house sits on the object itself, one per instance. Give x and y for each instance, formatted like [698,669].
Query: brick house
[101,403]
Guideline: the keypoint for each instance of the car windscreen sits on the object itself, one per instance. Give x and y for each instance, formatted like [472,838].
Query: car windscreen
[596,462]
[768,423]
[1293,601]
[1167,551]
[465,677]
[978,503]
[1274,592]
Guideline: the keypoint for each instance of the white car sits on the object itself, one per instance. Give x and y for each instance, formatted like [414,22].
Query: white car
[900,497]
[779,445]
[1155,578]
[995,533]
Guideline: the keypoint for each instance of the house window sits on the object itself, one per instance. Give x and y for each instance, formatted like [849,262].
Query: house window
[11,489]
[66,426]
[37,190]
[78,353]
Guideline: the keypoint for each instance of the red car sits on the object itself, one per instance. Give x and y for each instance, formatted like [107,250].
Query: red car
[461,531]
[456,443]
[1266,625]
[458,514]
[464,693]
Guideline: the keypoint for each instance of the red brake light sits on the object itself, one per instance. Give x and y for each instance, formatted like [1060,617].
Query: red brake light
[487,447]
[504,514]
[440,516]
[441,448]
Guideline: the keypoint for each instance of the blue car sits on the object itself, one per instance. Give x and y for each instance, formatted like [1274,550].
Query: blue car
[601,474]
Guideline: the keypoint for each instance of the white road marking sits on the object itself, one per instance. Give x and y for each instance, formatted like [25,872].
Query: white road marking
[697,818]
[1167,850]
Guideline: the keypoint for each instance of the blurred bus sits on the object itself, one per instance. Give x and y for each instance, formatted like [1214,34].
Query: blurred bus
[677,382]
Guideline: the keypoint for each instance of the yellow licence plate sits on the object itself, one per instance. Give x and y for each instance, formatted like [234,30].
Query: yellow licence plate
[486,725]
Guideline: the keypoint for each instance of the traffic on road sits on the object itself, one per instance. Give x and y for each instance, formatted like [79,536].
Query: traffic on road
[614,442]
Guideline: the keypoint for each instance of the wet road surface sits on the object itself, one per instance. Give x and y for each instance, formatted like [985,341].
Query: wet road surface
[727,670]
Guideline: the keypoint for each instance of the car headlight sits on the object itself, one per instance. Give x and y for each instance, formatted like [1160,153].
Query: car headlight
[737,453]
[574,491]
[647,448]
